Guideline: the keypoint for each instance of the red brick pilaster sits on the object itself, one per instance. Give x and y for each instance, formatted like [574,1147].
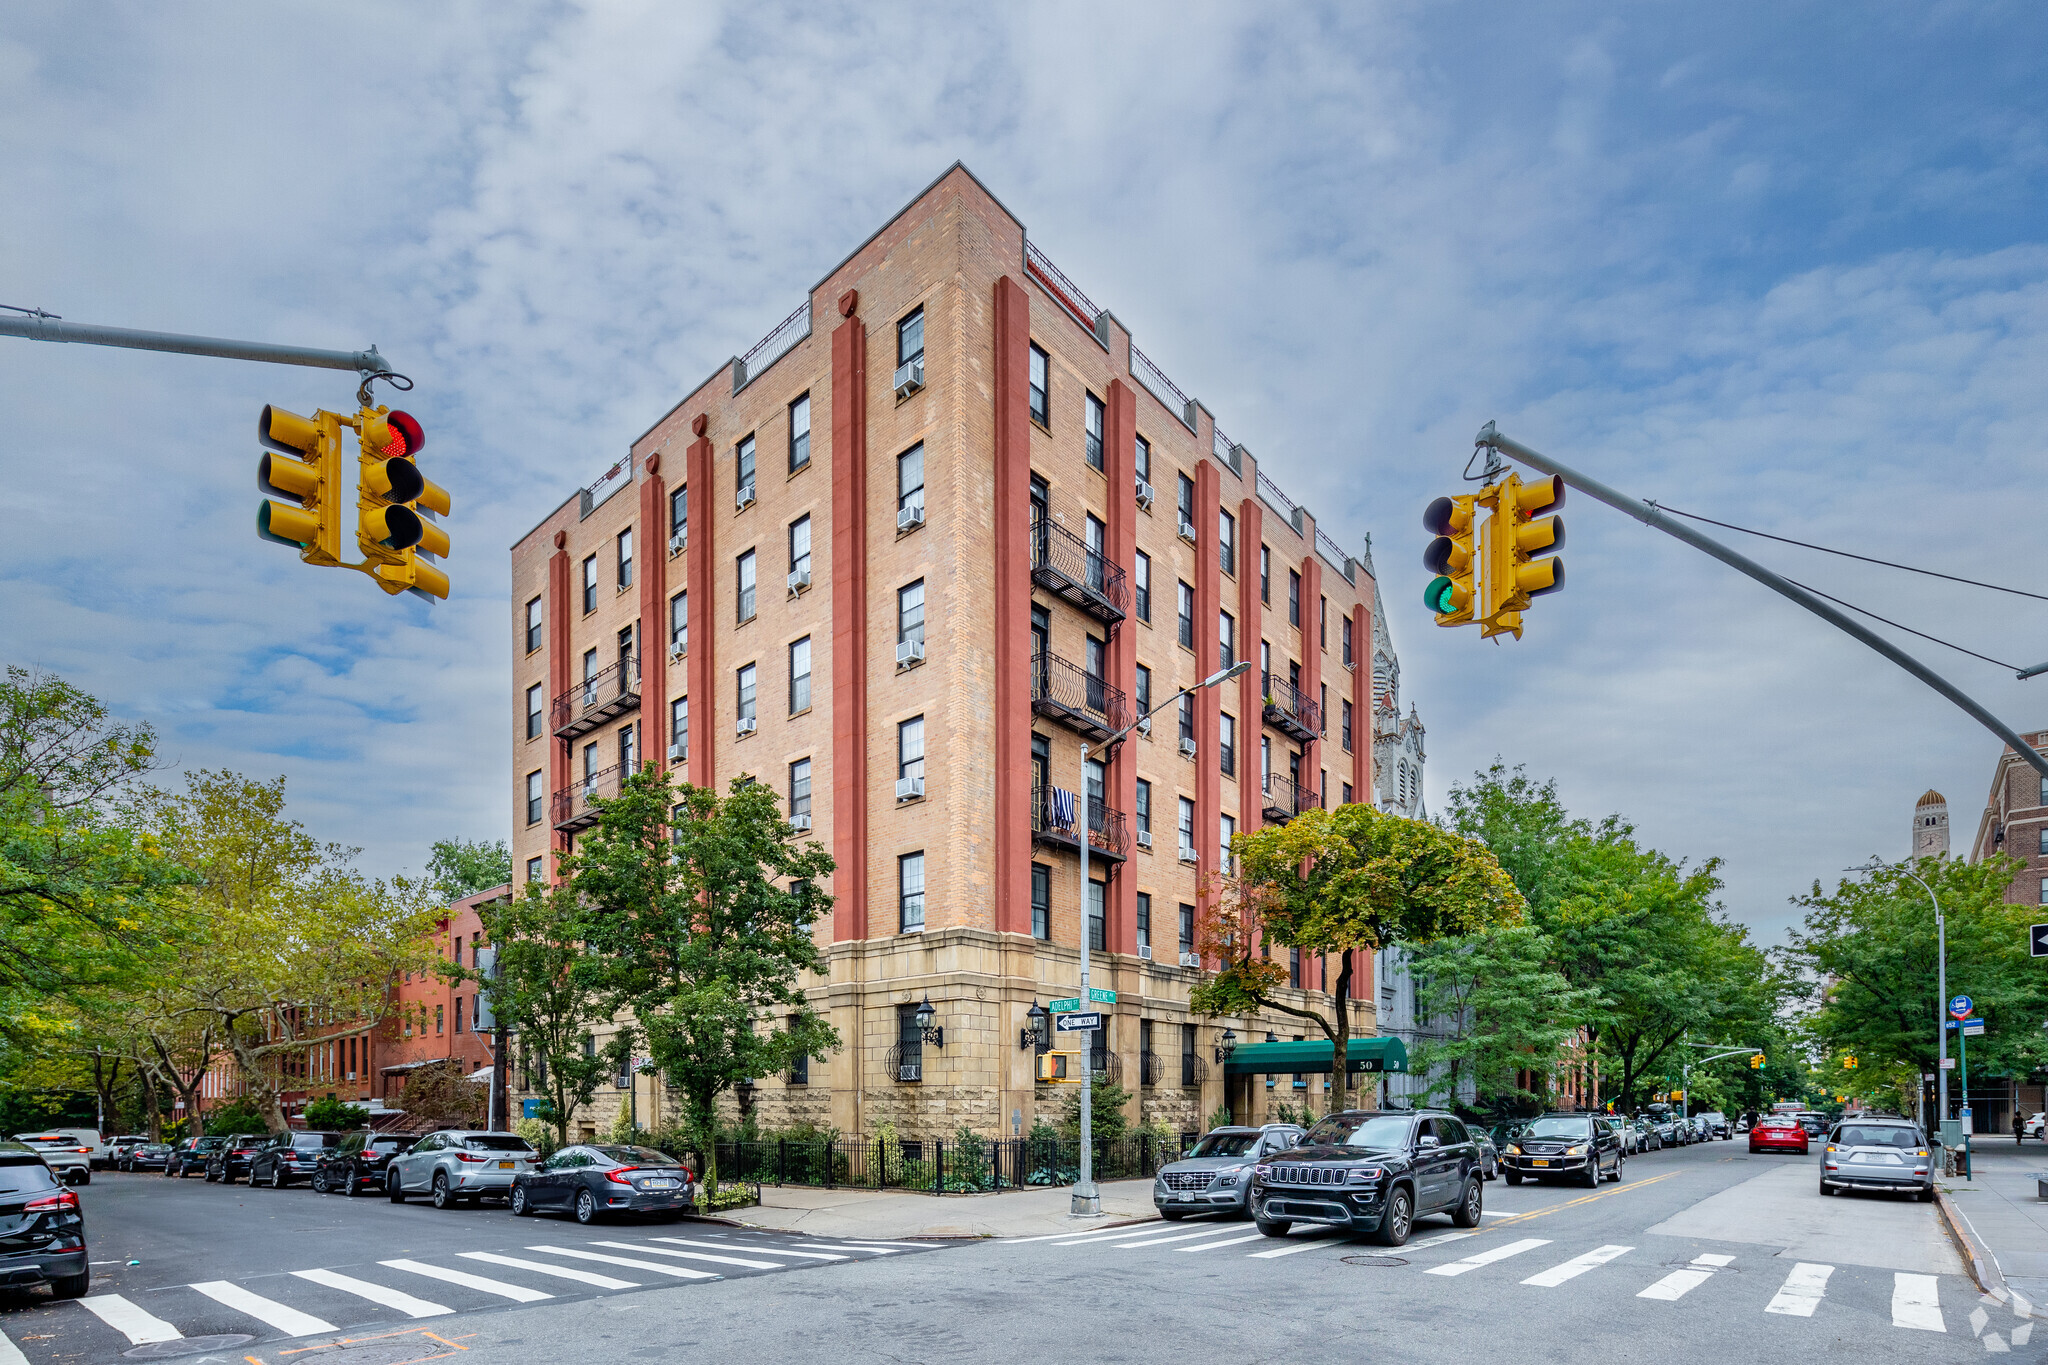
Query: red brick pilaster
[557,609]
[849,630]
[1013,607]
[1120,466]
[1251,724]
[652,641]
[1361,704]
[1311,690]
[703,689]
[1208,701]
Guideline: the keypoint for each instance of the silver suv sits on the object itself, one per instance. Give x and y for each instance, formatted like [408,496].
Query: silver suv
[459,1166]
[1217,1171]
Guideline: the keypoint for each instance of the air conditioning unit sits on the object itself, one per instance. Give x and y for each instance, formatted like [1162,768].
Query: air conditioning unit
[748,725]
[1144,726]
[911,517]
[1190,960]
[1188,855]
[745,497]
[1187,530]
[800,823]
[1145,495]
[676,651]
[679,542]
[799,579]
[910,378]
[351,1075]
[1144,838]
[909,788]
[678,754]
[909,653]
[1187,748]
[1144,952]
[910,1071]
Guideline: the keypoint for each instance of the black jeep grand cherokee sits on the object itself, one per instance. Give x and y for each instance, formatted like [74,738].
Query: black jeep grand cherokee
[1371,1171]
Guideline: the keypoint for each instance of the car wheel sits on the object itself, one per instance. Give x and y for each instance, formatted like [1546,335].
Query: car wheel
[71,1286]
[84,1178]
[1273,1227]
[586,1207]
[1925,1196]
[520,1207]
[394,1191]
[351,1183]
[277,1177]
[443,1197]
[1514,1178]
[1173,1215]
[1591,1176]
[1616,1177]
[1398,1221]
[1826,1188]
[1470,1208]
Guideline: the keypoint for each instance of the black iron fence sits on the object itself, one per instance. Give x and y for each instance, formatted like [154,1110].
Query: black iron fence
[956,1165]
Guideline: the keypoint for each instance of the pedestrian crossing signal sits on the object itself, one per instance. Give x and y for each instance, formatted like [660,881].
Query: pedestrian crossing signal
[1055,1067]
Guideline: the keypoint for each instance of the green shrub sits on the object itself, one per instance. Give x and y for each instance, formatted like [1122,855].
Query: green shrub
[240,1116]
[336,1114]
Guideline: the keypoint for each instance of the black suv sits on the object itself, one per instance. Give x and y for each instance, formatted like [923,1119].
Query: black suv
[42,1230]
[1579,1147]
[191,1154]
[1371,1171]
[357,1163]
[288,1157]
[232,1157]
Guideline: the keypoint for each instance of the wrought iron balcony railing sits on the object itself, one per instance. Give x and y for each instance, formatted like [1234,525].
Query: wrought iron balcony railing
[1288,710]
[575,807]
[1056,821]
[1067,693]
[605,695]
[1286,799]
[905,1062]
[1193,1070]
[1062,564]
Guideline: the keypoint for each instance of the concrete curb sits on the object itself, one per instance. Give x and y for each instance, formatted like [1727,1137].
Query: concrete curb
[1983,1269]
[948,1236]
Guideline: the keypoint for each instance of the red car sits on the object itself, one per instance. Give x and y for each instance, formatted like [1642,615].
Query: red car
[1778,1133]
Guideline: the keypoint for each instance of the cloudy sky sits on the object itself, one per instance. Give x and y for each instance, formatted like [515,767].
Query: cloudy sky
[1783,264]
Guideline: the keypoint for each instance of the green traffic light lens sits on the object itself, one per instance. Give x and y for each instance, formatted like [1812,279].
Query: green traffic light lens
[1440,596]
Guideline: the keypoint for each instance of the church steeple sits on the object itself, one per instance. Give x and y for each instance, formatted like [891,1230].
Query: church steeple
[1930,826]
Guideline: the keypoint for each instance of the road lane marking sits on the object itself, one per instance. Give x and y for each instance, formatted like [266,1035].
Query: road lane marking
[1677,1284]
[678,1271]
[865,1242]
[1713,1259]
[1153,1225]
[269,1312]
[728,1246]
[1488,1257]
[1177,1237]
[1148,1230]
[879,1251]
[1226,1242]
[376,1293]
[1439,1240]
[1916,1302]
[1802,1292]
[468,1281]
[1576,1266]
[1307,1243]
[1513,1218]
[559,1272]
[140,1327]
[740,1261]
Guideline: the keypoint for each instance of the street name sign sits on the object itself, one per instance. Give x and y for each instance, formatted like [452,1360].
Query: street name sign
[2037,940]
[1063,1006]
[1078,1023]
[1101,997]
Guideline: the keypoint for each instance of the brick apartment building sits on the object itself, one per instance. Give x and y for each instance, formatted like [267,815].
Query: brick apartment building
[434,1019]
[1000,530]
[2015,823]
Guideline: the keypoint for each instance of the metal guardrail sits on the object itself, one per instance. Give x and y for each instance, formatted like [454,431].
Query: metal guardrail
[1165,390]
[1064,290]
[1226,450]
[1271,492]
[771,348]
[1284,799]
[605,695]
[575,808]
[1287,708]
[1062,563]
[1066,692]
[1106,837]
[905,1063]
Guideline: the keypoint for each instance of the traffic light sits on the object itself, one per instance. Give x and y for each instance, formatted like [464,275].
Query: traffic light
[1053,1066]
[1849,1061]
[395,505]
[1451,558]
[1756,1063]
[1510,573]
[306,472]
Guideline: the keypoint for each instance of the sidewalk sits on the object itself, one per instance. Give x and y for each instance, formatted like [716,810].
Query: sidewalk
[2004,1214]
[892,1215]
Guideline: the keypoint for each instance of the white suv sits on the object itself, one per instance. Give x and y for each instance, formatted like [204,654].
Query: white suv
[459,1166]
[63,1153]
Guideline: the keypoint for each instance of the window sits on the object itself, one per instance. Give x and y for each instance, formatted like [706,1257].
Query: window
[1293,598]
[1346,728]
[1323,622]
[1092,420]
[629,743]
[533,792]
[1096,942]
[743,457]
[1141,573]
[800,547]
[1144,451]
[589,762]
[1187,716]
[1187,828]
[626,558]
[800,788]
[1344,635]
[1226,748]
[590,584]
[438,1009]
[1095,536]
[799,433]
[910,612]
[1041,388]
[679,728]
[1294,976]
[1226,639]
[910,748]
[747,677]
[1265,575]
[678,512]
[747,584]
[2044,791]
[1226,542]
[1187,928]
[1144,919]
[910,891]
[458,1014]
[1186,616]
[2044,841]
[1347,793]
[533,725]
[533,869]
[799,1067]
[1184,498]
[533,625]
[2044,890]
[910,478]
[910,337]
[589,676]
[800,676]
[1144,806]
[1323,710]
[1144,690]
[1229,824]
[1265,756]
[1041,901]
[679,623]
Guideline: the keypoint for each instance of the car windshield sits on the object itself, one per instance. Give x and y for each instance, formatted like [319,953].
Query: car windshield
[1380,1132]
[1869,1135]
[635,1156]
[1225,1144]
[496,1142]
[1557,1128]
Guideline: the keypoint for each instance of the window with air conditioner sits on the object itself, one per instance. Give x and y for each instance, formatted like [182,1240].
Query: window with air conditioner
[799,555]
[679,730]
[1142,813]
[910,488]
[910,353]
[678,519]
[743,461]
[1144,924]
[1186,830]
[679,625]
[800,676]
[910,759]
[800,793]
[1184,506]
[747,718]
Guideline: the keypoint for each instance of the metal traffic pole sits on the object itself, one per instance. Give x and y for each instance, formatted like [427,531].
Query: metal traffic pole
[37,325]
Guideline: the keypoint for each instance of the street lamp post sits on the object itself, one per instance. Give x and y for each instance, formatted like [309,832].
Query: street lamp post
[1087,1200]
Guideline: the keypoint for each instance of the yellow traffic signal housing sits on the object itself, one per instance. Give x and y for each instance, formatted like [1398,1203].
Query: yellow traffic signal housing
[1849,1061]
[1756,1063]
[395,505]
[1058,1067]
[1511,574]
[308,478]
[1452,558]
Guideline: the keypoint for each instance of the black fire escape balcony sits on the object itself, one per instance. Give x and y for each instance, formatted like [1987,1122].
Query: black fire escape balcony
[1289,711]
[1063,565]
[604,696]
[1055,822]
[1286,799]
[575,807]
[1067,693]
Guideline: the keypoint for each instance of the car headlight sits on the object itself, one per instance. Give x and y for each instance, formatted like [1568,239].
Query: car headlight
[1514,1150]
[1262,1171]
[1578,1149]
[1365,1175]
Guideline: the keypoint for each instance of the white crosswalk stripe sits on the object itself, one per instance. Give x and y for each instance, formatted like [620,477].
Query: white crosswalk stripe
[138,1325]
[375,1293]
[269,1312]
[1176,1237]
[1802,1291]
[560,1272]
[1916,1302]
[680,1272]
[1576,1266]
[740,1261]
[1309,1242]
[480,1283]
[1679,1283]
[778,1251]
[1226,1242]
[1488,1257]
[880,1251]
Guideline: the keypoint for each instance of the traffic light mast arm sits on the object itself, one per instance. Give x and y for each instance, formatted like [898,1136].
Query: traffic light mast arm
[1671,526]
[46,327]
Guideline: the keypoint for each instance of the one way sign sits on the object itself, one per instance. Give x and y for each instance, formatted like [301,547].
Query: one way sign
[2037,940]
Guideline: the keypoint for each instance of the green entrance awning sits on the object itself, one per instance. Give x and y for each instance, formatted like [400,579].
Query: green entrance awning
[1360,1054]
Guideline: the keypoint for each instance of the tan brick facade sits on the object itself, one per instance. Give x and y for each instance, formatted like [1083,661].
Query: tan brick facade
[2015,823]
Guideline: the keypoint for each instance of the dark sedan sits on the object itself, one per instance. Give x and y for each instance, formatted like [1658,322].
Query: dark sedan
[42,1229]
[356,1165]
[232,1157]
[147,1156]
[289,1158]
[592,1180]
[1577,1147]
[191,1154]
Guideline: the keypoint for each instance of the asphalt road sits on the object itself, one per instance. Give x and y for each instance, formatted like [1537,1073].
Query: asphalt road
[1706,1251]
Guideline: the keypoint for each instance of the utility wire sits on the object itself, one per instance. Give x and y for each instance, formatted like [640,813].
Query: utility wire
[1885,563]
[1894,624]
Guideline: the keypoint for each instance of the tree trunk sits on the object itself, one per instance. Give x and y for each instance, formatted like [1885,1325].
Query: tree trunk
[1340,1039]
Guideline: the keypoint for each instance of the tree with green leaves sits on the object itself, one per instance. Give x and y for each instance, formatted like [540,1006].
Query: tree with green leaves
[1333,883]
[1510,1011]
[702,909]
[463,867]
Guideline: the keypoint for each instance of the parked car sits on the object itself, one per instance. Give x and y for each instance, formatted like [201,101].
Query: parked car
[1629,1131]
[189,1155]
[42,1227]
[290,1157]
[66,1155]
[231,1159]
[593,1180]
[2035,1125]
[355,1165]
[1814,1122]
[1579,1147]
[1216,1173]
[1877,1154]
[88,1138]
[146,1156]
[117,1149]
[458,1166]
[1716,1124]
[1778,1133]
[1371,1171]
[1489,1155]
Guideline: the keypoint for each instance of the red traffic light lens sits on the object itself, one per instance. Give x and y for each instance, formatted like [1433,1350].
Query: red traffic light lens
[408,437]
